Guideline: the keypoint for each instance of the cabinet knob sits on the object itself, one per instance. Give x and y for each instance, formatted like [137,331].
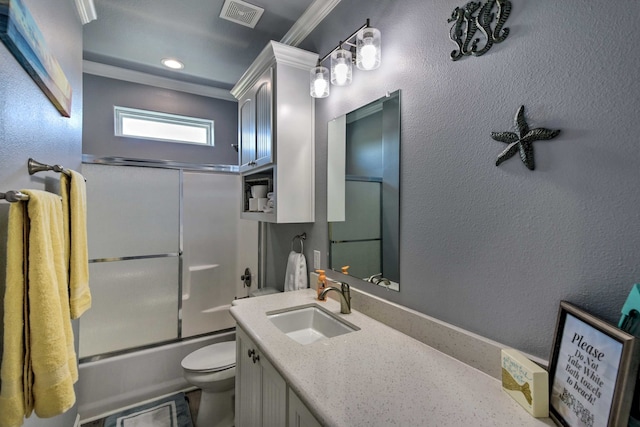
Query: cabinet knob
[251,163]
[251,353]
[256,358]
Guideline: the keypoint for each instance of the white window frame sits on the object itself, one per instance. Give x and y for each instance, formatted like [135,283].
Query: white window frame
[121,113]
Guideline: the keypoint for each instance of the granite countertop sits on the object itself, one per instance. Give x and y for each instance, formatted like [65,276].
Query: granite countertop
[377,375]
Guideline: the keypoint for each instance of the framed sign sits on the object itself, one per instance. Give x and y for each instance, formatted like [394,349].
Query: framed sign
[592,372]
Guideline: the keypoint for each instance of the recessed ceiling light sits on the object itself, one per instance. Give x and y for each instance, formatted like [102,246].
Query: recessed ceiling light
[174,64]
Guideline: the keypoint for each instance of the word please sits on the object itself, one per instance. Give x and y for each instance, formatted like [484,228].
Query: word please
[578,340]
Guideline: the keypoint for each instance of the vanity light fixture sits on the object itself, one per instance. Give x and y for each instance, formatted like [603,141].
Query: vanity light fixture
[368,48]
[174,64]
[319,82]
[341,67]
[365,41]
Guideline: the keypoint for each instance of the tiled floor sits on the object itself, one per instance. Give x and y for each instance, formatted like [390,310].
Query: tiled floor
[193,397]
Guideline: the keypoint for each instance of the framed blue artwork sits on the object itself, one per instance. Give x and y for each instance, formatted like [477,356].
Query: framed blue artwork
[20,33]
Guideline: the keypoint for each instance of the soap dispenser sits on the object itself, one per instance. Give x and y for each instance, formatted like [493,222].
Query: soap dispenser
[322,284]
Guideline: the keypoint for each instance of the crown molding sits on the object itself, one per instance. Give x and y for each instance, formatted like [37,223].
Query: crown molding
[293,56]
[273,53]
[103,70]
[86,10]
[308,21]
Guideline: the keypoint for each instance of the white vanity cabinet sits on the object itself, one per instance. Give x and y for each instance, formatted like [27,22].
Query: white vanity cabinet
[299,414]
[276,133]
[261,392]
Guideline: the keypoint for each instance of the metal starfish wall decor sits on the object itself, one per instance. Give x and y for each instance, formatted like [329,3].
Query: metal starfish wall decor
[522,141]
[466,24]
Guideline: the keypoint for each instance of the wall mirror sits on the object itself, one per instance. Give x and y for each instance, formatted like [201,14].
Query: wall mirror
[363,192]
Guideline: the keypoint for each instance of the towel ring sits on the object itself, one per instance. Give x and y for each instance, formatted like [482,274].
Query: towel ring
[302,237]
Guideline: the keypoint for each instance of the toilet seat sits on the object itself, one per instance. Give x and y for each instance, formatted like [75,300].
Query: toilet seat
[212,358]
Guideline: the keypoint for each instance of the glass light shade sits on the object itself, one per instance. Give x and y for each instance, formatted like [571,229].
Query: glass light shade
[319,82]
[341,67]
[368,48]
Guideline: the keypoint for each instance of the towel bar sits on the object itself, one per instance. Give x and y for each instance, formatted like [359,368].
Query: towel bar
[14,196]
[35,167]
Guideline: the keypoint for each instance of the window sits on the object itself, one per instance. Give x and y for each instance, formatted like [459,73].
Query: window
[131,122]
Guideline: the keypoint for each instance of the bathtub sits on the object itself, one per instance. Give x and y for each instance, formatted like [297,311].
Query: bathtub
[107,385]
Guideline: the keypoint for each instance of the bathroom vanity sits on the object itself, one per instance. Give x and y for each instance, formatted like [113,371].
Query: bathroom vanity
[264,395]
[369,375]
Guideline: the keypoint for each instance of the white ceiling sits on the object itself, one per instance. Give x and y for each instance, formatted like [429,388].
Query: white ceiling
[136,34]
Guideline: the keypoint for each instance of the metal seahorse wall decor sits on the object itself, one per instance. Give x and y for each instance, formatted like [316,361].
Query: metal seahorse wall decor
[476,16]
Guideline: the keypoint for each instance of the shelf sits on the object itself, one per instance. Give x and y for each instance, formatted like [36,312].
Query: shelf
[259,216]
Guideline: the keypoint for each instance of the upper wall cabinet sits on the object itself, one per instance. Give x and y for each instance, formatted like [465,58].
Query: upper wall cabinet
[254,124]
[276,134]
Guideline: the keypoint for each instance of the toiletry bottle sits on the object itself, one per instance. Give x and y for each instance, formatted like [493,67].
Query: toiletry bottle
[322,283]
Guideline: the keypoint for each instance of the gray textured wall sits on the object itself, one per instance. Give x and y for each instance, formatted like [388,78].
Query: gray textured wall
[494,249]
[31,127]
[102,93]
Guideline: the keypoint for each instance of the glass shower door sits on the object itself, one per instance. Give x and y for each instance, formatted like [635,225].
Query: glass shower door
[133,226]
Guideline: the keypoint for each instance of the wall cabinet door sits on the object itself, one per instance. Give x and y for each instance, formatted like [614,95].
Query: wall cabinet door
[261,393]
[255,115]
[247,132]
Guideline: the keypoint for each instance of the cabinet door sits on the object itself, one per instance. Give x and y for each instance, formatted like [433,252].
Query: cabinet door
[248,383]
[299,414]
[274,396]
[264,119]
[246,133]
[255,123]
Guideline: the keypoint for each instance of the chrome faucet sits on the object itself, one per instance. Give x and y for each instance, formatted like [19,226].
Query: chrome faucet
[345,296]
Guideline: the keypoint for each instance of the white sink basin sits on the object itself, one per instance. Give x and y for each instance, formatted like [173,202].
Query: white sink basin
[309,323]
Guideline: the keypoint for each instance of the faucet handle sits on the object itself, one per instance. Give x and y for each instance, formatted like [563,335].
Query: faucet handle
[373,277]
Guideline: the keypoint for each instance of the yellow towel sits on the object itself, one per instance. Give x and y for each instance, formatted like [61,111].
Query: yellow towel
[12,397]
[74,206]
[43,370]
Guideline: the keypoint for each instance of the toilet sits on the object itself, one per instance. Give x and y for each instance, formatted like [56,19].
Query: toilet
[213,370]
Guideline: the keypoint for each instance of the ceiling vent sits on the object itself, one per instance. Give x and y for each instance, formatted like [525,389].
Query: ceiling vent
[241,13]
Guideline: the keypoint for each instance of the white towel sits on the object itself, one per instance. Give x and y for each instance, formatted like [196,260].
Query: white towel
[296,275]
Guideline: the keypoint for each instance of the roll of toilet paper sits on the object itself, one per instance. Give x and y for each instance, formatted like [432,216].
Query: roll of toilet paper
[259,191]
